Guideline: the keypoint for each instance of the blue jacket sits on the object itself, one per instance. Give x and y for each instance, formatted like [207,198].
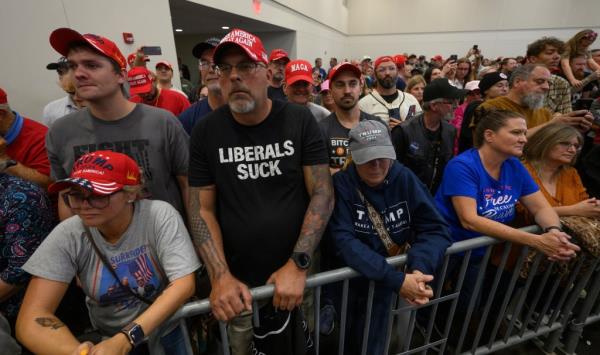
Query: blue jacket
[409,215]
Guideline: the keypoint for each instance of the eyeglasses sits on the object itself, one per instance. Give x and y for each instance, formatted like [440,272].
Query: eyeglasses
[208,65]
[243,68]
[75,200]
[569,145]
[591,36]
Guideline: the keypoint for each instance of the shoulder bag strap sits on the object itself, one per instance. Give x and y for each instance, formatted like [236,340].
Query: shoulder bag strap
[110,268]
[391,247]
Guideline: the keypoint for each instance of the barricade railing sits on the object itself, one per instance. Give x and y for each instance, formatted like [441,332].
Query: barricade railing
[506,308]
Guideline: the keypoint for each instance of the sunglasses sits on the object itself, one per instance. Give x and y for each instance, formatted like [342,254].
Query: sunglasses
[75,200]
[591,36]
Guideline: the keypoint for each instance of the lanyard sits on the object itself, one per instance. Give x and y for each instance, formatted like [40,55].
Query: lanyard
[15,129]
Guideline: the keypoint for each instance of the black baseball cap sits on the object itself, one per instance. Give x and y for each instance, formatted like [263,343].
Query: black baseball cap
[199,48]
[61,63]
[441,89]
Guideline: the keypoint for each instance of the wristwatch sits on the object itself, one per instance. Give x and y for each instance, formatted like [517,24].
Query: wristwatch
[302,260]
[134,333]
[5,164]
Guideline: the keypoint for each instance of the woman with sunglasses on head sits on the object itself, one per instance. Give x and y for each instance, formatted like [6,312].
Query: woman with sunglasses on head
[578,45]
[549,158]
[133,258]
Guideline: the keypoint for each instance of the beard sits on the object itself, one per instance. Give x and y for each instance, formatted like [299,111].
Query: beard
[533,101]
[242,106]
[387,82]
[278,76]
[347,105]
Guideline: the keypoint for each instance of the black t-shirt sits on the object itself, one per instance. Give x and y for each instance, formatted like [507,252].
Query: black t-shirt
[276,93]
[336,138]
[258,173]
[390,98]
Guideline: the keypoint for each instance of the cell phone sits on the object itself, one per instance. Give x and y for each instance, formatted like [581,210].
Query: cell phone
[151,50]
[583,104]
[453,58]
[475,47]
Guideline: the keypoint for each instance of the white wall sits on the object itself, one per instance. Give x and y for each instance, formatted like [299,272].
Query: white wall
[500,27]
[26,25]
[320,26]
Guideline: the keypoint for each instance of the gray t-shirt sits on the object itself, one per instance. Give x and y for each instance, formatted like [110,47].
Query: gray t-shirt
[154,250]
[153,137]
[318,111]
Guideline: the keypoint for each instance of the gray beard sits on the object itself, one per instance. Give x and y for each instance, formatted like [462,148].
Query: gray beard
[242,107]
[533,101]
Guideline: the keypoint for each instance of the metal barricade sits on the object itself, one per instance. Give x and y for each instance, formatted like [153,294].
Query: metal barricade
[505,308]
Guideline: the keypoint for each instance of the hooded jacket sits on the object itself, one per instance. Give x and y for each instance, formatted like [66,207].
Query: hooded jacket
[409,214]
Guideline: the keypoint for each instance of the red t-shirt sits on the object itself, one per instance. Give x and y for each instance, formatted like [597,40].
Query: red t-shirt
[29,148]
[167,99]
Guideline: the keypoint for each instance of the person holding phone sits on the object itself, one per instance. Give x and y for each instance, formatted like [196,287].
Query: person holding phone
[386,101]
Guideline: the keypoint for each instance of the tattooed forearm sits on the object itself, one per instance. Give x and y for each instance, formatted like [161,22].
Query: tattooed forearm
[203,239]
[319,210]
[48,322]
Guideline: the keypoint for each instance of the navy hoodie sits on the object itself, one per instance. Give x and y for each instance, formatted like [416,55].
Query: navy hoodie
[409,215]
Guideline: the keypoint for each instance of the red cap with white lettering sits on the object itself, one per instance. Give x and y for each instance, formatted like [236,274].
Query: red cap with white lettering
[250,43]
[102,172]
[297,70]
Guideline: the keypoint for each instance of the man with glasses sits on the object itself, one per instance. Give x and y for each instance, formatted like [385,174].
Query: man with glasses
[529,85]
[261,192]
[386,101]
[204,52]
[299,86]
[63,106]
[426,143]
[277,62]
[151,136]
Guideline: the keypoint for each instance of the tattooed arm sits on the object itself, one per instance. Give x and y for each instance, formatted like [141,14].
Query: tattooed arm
[289,280]
[228,296]
[37,327]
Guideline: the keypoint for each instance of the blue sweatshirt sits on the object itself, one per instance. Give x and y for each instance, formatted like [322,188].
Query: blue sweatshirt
[409,215]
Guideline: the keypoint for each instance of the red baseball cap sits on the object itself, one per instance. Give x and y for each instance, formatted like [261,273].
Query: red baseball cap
[250,43]
[437,58]
[297,70]
[140,80]
[399,59]
[345,66]
[277,54]
[384,58]
[103,172]
[165,63]
[61,38]
[3,98]
[131,59]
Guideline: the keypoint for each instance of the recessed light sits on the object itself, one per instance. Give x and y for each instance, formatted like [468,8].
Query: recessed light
[178,30]
[225,27]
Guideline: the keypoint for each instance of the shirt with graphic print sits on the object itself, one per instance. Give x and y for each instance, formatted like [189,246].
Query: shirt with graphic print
[258,173]
[336,138]
[496,199]
[153,137]
[155,250]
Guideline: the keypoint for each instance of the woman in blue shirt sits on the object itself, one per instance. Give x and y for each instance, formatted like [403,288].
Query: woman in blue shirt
[479,191]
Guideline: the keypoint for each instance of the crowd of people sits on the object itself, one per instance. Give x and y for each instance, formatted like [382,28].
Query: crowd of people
[128,190]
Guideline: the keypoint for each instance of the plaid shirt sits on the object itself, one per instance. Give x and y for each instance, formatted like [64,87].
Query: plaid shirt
[558,98]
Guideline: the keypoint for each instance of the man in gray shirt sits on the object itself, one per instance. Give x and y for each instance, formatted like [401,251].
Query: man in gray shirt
[151,136]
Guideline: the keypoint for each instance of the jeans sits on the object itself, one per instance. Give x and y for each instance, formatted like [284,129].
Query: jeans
[174,342]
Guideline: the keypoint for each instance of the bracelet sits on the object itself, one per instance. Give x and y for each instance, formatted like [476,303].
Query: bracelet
[548,229]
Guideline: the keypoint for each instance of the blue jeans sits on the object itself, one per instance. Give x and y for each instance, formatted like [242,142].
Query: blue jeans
[174,342]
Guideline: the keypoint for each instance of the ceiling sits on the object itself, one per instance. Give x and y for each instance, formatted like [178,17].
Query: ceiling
[199,19]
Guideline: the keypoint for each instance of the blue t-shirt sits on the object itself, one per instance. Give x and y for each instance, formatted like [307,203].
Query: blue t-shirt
[496,199]
[193,114]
